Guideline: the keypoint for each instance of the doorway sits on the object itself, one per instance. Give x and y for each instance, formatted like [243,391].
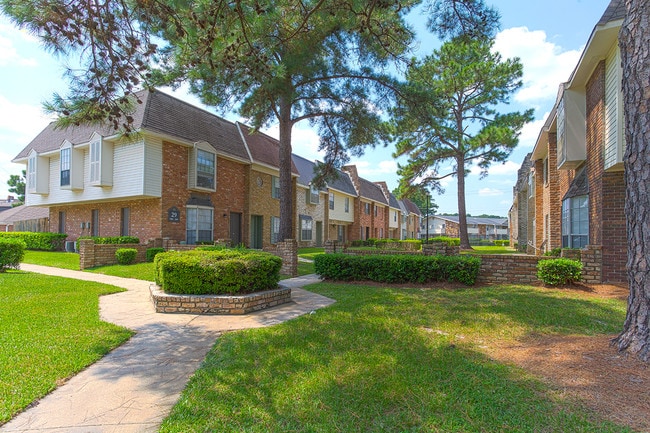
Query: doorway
[257,222]
[319,233]
[235,228]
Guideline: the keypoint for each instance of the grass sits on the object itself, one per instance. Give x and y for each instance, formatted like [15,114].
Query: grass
[394,360]
[53,258]
[491,250]
[50,331]
[310,252]
[139,271]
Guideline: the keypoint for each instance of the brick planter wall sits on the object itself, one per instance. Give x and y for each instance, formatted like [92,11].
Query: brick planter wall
[218,304]
[288,252]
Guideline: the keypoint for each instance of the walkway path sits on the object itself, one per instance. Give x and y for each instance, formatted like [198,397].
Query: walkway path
[133,388]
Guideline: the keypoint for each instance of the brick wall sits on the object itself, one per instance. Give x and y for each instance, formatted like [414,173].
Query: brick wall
[316,211]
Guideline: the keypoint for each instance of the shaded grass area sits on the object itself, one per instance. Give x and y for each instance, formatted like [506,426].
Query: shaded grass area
[478,249]
[50,331]
[138,271]
[393,360]
[55,259]
[310,252]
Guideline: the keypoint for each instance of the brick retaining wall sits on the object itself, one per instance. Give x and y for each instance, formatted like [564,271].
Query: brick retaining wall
[218,304]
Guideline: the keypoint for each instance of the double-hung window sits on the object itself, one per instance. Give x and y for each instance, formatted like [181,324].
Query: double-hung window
[275,230]
[331,201]
[199,224]
[313,195]
[575,222]
[275,187]
[347,205]
[205,169]
[65,166]
[306,228]
[367,208]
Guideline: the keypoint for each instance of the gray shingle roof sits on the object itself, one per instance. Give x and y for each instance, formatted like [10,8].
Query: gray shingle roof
[342,183]
[263,148]
[371,191]
[411,207]
[159,113]
[305,168]
[615,11]
[393,201]
[23,213]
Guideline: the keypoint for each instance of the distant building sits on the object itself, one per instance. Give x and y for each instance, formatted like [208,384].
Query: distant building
[477,228]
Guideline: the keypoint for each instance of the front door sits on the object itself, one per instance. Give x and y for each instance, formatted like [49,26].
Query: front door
[235,228]
[319,233]
[257,222]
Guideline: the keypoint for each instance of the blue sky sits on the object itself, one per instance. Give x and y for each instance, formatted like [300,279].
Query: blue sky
[548,36]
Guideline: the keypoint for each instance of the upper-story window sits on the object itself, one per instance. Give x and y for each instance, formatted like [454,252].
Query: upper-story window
[375,210]
[347,205]
[203,167]
[275,187]
[38,174]
[331,201]
[313,195]
[101,161]
[31,172]
[65,166]
[367,208]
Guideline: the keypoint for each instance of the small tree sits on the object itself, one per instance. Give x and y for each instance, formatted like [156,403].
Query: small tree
[449,115]
[17,185]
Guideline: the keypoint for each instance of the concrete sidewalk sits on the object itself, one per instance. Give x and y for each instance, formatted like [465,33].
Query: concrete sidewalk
[133,388]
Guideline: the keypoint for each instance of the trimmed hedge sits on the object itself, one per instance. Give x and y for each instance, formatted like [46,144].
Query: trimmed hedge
[405,245]
[126,256]
[560,271]
[99,240]
[398,268]
[12,252]
[38,240]
[152,252]
[452,242]
[216,272]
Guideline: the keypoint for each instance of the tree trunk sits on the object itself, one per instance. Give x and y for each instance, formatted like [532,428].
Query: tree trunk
[286,183]
[634,37]
[462,211]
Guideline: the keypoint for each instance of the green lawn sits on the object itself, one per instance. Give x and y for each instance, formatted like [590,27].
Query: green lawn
[394,360]
[53,258]
[491,250]
[310,253]
[50,330]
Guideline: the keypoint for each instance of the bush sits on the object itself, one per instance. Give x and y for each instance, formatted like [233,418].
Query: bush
[38,241]
[126,256]
[217,272]
[452,242]
[12,252]
[398,268]
[393,244]
[560,271]
[555,252]
[151,253]
[502,243]
[112,239]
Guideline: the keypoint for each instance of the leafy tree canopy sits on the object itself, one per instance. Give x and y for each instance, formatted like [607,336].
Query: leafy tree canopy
[17,185]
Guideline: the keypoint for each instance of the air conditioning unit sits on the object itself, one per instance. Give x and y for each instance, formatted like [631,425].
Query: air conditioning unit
[70,247]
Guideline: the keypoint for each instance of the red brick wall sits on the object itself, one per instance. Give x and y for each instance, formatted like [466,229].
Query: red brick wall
[607,225]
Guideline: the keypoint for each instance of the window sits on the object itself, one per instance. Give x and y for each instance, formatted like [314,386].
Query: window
[65,167]
[199,224]
[95,160]
[125,221]
[394,216]
[575,222]
[331,201]
[531,184]
[375,206]
[275,230]
[340,233]
[275,187]
[347,205]
[205,169]
[367,208]
[31,172]
[306,224]
[94,222]
[545,170]
[313,195]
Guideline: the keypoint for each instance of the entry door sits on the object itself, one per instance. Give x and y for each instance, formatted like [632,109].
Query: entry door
[257,222]
[235,228]
[319,233]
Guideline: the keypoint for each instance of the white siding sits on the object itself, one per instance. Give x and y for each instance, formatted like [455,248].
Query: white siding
[393,218]
[339,213]
[153,167]
[128,178]
[614,122]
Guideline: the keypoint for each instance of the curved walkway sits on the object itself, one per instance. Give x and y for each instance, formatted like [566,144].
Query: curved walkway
[133,388]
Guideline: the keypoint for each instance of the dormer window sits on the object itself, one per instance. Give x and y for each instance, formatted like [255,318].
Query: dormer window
[203,167]
[38,174]
[65,167]
[101,161]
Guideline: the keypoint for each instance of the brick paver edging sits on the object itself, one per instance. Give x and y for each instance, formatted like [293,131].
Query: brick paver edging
[218,304]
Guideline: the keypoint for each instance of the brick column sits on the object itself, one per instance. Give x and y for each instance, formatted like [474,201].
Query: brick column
[288,252]
[592,264]
[86,253]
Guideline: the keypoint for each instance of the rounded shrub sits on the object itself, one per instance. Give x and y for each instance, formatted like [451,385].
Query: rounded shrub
[126,256]
[12,252]
[554,272]
[201,272]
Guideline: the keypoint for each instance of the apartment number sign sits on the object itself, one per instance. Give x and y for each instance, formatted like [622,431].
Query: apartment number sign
[173,214]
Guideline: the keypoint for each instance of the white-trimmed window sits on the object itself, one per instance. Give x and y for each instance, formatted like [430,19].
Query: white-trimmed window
[306,228]
[31,172]
[313,195]
[275,230]
[203,167]
[347,205]
[367,208]
[375,206]
[331,201]
[65,166]
[38,174]
[199,224]
[575,222]
[275,187]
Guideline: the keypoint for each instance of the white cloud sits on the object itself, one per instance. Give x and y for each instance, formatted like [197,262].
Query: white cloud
[9,55]
[507,168]
[368,170]
[546,65]
[21,120]
[490,192]
[530,132]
